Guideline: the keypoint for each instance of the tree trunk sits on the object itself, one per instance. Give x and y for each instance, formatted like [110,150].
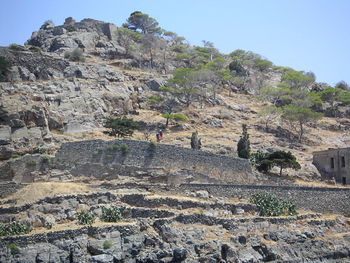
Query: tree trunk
[167,122]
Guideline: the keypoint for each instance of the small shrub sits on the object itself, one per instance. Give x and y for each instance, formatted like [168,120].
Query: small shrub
[45,159]
[124,148]
[75,55]
[86,217]
[107,244]
[14,229]
[108,156]
[70,28]
[48,225]
[31,163]
[16,47]
[113,147]
[34,49]
[39,150]
[13,248]
[111,214]
[16,156]
[270,205]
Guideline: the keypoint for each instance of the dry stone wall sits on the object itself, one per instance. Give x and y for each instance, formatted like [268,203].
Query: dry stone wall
[322,200]
[96,157]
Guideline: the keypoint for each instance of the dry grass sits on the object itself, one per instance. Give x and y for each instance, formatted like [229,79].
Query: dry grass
[36,191]
[319,184]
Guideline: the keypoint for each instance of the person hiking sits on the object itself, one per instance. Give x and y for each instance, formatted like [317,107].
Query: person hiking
[161,134]
[158,137]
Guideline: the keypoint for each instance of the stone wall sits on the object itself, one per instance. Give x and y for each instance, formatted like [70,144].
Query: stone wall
[322,200]
[96,157]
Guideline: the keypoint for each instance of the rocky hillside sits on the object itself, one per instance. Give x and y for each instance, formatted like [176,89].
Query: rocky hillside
[48,98]
[60,171]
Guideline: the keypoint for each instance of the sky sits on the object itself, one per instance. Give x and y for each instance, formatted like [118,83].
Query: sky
[309,35]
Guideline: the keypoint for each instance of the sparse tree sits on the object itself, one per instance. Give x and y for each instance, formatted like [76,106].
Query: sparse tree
[127,38]
[173,116]
[268,114]
[332,95]
[143,23]
[121,126]
[297,79]
[283,160]
[182,86]
[150,44]
[298,117]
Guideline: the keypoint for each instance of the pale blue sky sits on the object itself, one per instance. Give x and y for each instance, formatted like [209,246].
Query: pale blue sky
[310,35]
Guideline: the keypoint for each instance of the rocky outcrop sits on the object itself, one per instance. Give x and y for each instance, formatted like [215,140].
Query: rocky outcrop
[30,66]
[86,34]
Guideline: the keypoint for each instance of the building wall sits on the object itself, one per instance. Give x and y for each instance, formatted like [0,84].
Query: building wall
[334,163]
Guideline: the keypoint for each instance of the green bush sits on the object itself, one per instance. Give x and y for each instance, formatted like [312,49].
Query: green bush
[86,217]
[107,244]
[111,214]
[121,126]
[75,55]
[13,248]
[45,159]
[14,229]
[124,148]
[48,225]
[270,205]
[113,147]
[16,47]
[108,156]
[39,150]
[31,163]
[16,156]
[34,49]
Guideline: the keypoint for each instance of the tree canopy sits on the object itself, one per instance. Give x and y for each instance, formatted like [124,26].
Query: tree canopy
[121,126]
[143,23]
[264,161]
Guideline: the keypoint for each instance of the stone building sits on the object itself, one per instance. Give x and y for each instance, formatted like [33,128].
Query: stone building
[333,163]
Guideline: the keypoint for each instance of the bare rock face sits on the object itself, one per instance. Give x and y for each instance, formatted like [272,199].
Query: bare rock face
[29,66]
[86,34]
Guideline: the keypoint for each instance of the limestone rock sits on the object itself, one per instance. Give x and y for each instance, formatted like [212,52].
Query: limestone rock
[5,152]
[5,135]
